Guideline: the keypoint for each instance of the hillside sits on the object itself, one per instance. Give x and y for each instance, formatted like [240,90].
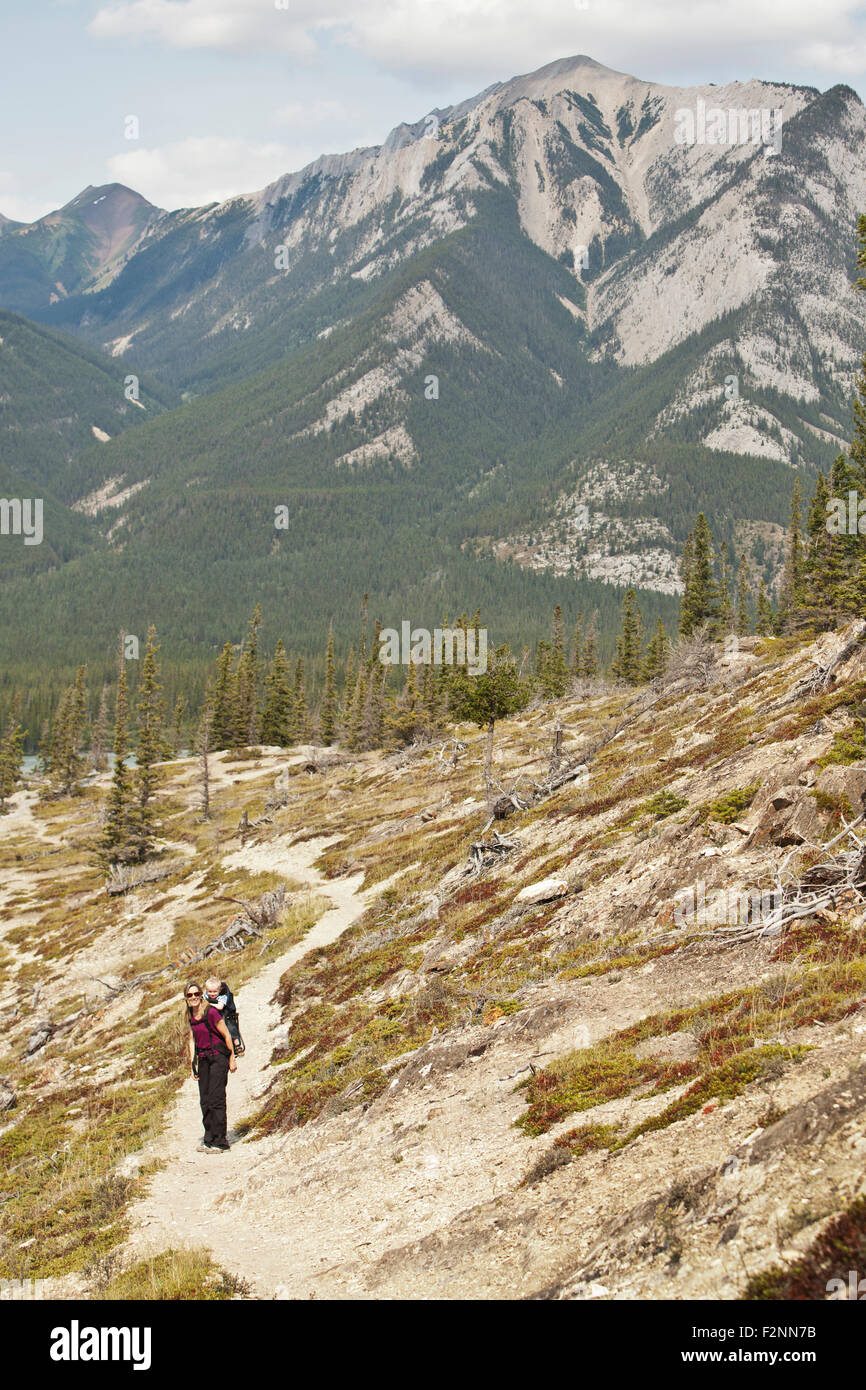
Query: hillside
[525,1069]
[57,397]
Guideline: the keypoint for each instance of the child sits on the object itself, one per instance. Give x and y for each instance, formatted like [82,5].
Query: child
[218,994]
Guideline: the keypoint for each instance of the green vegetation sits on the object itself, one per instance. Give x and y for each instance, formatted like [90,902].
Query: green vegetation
[184,1275]
[662,804]
[849,746]
[726,809]
[840,1248]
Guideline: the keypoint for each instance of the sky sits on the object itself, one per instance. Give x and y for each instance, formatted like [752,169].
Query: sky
[227,95]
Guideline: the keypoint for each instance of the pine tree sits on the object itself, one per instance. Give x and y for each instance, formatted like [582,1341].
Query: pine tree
[300,728]
[704,597]
[372,717]
[498,693]
[557,669]
[345,716]
[819,579]
[700,599]
[589,663]
[180,708]
[765,617]
[791,597]
[117,821]
[245,720]
[627,665]
[403,721]
[743,598]
[98,759]
[356,708]
[844,549]
[150,747]
[11,755]
[687,565]
[224,700]
[577,647]
[66,763]
[328,716]
[431,700]
[725,620]
[278,717]
[362,656]
[656,659]
[542,667]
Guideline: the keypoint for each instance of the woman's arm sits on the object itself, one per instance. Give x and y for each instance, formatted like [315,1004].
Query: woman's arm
[191,1052]
[227,1039]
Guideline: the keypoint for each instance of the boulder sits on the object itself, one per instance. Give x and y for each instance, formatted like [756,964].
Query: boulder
[39,1037]
[543,891]
[804,824]
[784,797]
[788,816]
[848,781]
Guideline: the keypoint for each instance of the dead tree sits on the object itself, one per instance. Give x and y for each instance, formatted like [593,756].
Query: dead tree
[556,750]
[204,746]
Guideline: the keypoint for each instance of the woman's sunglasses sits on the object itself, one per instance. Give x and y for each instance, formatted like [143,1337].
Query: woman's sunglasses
[194,994]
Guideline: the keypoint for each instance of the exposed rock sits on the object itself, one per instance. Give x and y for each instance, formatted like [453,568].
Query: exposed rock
[848,781]
[543,891]
[39,1037]
[789,817]
[785,796]
[806,823]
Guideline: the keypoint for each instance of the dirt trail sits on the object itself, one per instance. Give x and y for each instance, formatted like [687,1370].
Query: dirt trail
[182,1206]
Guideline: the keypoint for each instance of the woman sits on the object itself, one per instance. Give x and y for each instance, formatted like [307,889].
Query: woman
[211,1058]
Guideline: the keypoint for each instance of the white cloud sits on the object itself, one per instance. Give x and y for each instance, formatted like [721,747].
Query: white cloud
[17,206]
[321,111]
[227,24]
[204,169]
[468,36]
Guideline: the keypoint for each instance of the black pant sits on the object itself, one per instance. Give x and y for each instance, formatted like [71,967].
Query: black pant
[213,1074]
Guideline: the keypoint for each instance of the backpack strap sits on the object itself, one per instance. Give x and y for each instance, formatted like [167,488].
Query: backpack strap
[211,1029]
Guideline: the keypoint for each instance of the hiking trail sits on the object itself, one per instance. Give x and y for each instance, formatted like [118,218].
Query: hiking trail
[183,1204]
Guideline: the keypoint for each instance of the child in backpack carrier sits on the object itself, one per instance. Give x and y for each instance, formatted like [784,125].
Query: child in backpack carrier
[219,996]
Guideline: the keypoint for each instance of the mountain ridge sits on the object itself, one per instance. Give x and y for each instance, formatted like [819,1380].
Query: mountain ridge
[699,353]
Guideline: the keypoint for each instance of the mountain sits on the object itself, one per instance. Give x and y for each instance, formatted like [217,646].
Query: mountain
[58,397]
[589,158]
[502,359]
[76,248]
